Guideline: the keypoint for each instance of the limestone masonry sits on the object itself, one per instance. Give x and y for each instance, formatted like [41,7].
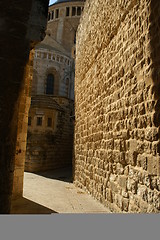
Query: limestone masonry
[50,130]
[117,104]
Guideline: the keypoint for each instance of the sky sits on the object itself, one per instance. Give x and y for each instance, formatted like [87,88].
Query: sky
[52,1]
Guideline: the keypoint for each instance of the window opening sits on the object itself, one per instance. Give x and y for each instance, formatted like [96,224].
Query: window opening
[49,16]
[73,11]
[79,11]
[52,14]
[39,121]
[50,84]
[57,13]
[67,11]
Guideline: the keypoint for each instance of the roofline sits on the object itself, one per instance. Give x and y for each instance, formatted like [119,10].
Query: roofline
[66,2]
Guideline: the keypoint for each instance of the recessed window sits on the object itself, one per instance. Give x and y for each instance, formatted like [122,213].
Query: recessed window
[50,84]
[39,121]
[73,11]
[75,38]
[29,121]
[49,16]
[57,13]
[79,11]
[49,122]
[67,11]
[52,14]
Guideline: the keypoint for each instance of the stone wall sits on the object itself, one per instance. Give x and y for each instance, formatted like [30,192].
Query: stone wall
[23,106]
[117,104]
[22,25]
[50,147]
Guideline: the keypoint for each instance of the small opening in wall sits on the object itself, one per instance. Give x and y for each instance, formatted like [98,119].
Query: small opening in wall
[73,11]
[75,38]
[52,14]
[50,84]
[29,121]
[49,124]
[67,11]
[79,11]
[49,16]
[39,121]
[57,13]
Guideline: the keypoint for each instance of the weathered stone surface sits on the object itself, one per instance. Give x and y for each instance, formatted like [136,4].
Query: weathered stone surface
[117,102]
[22,26]
[50,147]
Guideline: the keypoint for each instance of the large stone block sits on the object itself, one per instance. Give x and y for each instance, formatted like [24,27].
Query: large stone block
[152,165]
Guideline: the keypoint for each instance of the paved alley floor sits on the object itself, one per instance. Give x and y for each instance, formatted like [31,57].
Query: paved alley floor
[54,192]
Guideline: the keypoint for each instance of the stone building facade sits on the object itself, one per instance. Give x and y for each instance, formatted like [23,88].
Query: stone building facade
[117,104]
[50,130]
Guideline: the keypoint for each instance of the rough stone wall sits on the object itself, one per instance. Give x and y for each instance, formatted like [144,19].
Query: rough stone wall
[50,147]
[117,104]
[22,25]
[23,106]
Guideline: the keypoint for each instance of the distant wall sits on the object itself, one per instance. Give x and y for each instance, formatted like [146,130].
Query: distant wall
[117,104]
[50,147]
[49,62]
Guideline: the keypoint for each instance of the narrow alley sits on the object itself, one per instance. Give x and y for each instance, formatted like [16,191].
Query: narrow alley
[53,192]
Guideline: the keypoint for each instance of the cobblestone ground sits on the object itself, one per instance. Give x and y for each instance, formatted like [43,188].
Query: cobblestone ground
[55,191]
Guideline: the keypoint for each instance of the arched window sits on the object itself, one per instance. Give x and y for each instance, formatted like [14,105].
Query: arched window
[50,84]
